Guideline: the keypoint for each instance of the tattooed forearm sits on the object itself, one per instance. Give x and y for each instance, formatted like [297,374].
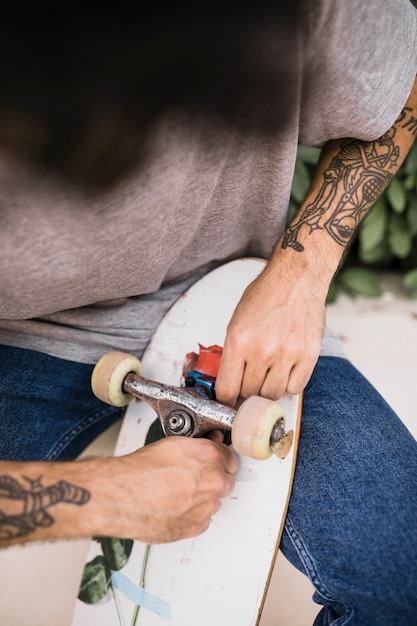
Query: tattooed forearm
[23,510]
[408,120]
[351,184]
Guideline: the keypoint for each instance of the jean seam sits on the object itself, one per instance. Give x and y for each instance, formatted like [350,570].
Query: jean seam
[71,434]
[313,574]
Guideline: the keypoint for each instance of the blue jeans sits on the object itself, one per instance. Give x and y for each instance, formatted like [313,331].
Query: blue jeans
[352,520]
[351,525]
[47,409]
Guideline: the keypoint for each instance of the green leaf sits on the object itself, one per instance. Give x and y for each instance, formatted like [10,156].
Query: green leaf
[332,293]
[399,238]
[360,281]
[410,163]
[397,195]
[381,253]
[308,154]
[301,181]
[116,551]
[292,211]
[410,279]
[372,230]
[411,215]
[95,582]
[410,181]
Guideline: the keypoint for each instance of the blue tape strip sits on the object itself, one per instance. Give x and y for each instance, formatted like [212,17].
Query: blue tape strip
[140,596]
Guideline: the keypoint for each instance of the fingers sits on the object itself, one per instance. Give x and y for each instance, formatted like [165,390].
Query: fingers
[206,488]
[273,337]
[278,380]
[228,459]
[263,375]
[301,374]
[171,488]
[229,377]
[216,436]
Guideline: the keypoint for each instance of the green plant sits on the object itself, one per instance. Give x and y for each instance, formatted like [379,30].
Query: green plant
[385,240]
[96,580]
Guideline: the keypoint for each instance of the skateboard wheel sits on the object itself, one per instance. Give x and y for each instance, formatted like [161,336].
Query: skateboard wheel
[253,426]
[109,374]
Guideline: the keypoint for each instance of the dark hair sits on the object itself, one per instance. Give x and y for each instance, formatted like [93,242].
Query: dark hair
[79,95]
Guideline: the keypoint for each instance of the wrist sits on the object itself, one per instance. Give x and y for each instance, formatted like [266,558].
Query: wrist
[315,261]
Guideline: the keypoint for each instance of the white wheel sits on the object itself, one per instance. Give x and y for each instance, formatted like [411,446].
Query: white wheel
[108,376]
[253,426]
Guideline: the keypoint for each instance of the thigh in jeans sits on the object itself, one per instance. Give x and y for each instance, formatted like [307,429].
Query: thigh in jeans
[351,524]
[47,408]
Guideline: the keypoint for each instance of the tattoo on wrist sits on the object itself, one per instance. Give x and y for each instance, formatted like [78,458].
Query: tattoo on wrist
[357,176]
[23,507]
[408,120]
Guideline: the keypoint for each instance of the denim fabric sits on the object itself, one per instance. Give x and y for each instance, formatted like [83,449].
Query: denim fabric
[47,409]
[352,519]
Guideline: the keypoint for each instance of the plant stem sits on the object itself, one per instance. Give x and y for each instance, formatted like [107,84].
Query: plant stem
[116,602]
[142,583]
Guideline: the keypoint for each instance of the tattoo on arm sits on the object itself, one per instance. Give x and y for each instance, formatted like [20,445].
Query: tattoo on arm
[27,507]
[357,176]
[408,120]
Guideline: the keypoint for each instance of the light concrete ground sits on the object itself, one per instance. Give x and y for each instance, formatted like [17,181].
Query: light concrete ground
[39,582]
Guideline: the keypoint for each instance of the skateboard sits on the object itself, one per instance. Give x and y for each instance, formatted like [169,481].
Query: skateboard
[220,577]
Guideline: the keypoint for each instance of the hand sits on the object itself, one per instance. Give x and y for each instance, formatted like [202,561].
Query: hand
[169,490]
[273,339]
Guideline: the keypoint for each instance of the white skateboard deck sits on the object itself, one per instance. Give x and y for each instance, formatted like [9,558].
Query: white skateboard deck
[219,578]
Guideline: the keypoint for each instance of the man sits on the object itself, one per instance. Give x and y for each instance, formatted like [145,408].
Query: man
[149,170]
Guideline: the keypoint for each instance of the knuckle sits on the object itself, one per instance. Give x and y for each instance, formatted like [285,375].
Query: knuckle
[268,352]
[225,393]
[193,530]
[208,449]
[203,526]
[237,336]
[215,508]
[214,455]
[233,463]
[289,352]
[220,485]
[296,384]
[272,393]
[310,357]
[311,350]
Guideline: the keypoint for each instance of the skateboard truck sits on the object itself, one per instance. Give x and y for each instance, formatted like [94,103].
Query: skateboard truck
[257,425]
[184,410]
[181,410]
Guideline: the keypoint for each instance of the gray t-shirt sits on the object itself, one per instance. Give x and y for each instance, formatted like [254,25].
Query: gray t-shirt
[81,273]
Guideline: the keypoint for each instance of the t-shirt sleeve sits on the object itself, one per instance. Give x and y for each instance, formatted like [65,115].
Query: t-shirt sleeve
[359,63]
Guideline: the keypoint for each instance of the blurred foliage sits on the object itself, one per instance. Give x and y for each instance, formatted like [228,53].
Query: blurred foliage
[386,240]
